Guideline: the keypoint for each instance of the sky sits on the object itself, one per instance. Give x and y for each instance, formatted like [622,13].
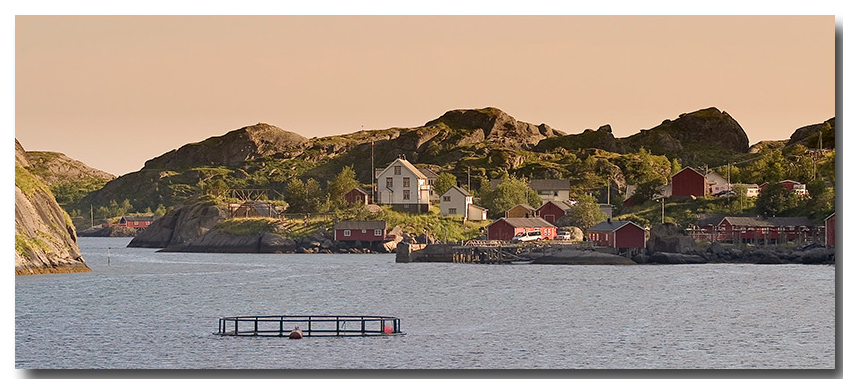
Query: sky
[115,91]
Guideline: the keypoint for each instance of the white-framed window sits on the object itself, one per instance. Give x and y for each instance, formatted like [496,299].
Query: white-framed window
[406,194]
[347,232]
[389,182]
[446,198]
[451,211]
[397,169]
[406,182]
[378,232]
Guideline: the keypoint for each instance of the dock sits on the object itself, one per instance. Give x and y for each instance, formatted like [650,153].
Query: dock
[496,252]
[311,326]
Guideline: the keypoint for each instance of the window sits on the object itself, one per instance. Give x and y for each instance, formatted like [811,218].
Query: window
[397,169]
[446,198]
[451,211]
[378,232]
[347,232]
[406,182]
[389,183]
[135,222]
[406,194]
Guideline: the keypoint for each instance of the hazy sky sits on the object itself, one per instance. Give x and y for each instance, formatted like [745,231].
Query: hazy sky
[114,91]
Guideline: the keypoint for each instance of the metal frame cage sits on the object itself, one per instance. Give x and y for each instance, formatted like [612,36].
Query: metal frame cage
[311,326]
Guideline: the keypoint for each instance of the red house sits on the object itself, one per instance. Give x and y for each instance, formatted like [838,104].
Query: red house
[552,210]
[356,195]
[360,231]
[617,234]
[136,221]
[506,228]
[830,229]
[764,230]
[689,182]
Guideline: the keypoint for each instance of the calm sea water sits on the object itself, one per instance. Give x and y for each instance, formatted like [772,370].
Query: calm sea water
[140,309]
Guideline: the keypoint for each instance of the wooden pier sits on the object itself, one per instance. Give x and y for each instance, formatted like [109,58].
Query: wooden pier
[311,326]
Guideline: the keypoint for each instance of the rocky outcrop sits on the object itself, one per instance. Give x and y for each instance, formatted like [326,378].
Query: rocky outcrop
[708,126]
[233,148]
[602,138]
[809,135]
[56,168]
[180,226]
[495,126]
[45,238]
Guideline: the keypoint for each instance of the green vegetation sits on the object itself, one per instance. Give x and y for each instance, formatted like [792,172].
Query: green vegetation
[27,182]
[251,226]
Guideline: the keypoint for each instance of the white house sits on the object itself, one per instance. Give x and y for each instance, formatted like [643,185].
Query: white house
[717,184]
[456,201]
[403,187]
[431,178]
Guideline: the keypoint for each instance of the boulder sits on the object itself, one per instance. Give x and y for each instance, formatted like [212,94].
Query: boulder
[671,238]
[676,258]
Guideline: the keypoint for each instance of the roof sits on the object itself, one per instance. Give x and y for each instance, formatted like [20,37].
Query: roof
[768,222]
[693,169]
[559,204]
[140,218]
[360,190]
[525,206]
[427,172]
[611,226]
[381,224]
[477,207]
[708,219]
[525,222]
[460,189]
[542,184]
[406,164]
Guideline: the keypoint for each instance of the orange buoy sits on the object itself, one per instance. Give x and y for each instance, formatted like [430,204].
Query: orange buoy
[296,333]
[388,329]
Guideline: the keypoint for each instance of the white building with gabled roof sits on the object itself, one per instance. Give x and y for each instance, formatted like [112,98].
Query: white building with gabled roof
[456,201]
[403,187]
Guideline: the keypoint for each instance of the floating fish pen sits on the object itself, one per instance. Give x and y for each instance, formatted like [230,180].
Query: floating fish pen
[308,326]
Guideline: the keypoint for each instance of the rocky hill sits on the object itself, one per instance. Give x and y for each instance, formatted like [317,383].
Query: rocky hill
[232,149]
[45,238]
[484,142]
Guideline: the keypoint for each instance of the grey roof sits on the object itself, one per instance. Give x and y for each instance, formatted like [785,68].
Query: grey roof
[427,172]
[460,189]
[708,219]
[542,184]
[526,222]
[381,224]
[768,221]
[611,226]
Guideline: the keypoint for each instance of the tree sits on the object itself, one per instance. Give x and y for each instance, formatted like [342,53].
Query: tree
[509,193]
[443,182]
[774,199]
[341,184]
[585,213]
[647,191]
[305,197]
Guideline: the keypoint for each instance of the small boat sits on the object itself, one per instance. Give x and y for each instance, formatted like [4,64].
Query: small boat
[296,333]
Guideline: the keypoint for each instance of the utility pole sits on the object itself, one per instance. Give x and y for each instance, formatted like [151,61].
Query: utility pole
[91,210]
[469,178]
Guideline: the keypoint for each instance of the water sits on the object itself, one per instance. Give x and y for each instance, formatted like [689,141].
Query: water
[139,309]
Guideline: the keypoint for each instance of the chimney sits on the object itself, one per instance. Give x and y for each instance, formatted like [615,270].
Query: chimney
[609,221]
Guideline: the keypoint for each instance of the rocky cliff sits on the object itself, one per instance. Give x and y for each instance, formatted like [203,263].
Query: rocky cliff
[45,238]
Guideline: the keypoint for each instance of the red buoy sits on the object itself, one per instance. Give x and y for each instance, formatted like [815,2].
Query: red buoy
[296,333]
[388,329]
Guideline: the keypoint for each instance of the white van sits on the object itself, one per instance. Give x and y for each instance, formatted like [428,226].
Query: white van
[523,237]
